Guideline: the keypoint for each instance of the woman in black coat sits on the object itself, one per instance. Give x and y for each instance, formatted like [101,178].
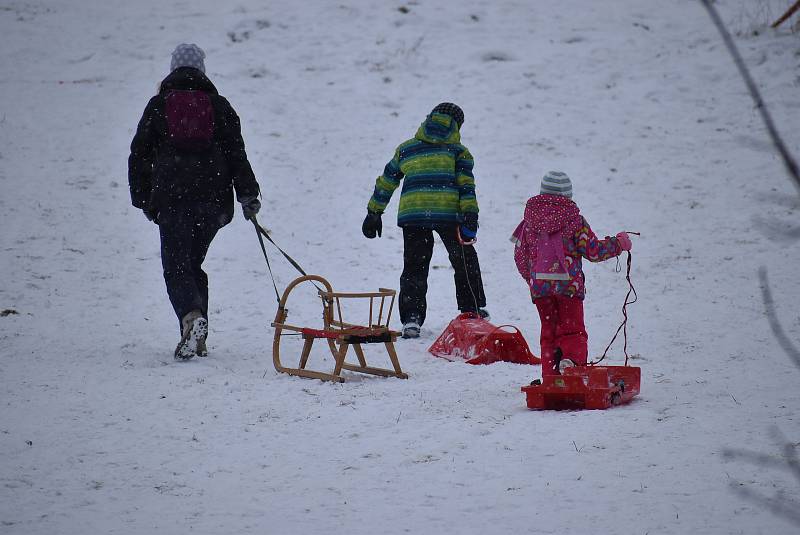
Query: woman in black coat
[187,160]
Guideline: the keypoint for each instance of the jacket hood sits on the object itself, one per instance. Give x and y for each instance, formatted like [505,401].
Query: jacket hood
[439,128]
[552,213]
[187,79]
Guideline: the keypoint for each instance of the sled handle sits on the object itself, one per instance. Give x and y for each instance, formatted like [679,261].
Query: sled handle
[461,239]
[502,326]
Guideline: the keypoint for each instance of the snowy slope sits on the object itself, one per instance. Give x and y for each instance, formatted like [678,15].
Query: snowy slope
[101,432]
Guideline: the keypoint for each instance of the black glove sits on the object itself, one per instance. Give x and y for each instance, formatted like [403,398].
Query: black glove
[372,225]
[151,215]
[469,228]
[250,208]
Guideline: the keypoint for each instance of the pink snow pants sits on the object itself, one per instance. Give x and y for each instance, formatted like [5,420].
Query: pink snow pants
[562,326]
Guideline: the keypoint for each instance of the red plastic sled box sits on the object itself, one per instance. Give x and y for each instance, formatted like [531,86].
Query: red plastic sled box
[472,339]
[585,387]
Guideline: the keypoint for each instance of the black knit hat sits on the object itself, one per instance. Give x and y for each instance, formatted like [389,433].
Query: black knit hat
[448,108]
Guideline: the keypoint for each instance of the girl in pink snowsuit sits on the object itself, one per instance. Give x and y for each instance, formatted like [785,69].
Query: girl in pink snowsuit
[551,240]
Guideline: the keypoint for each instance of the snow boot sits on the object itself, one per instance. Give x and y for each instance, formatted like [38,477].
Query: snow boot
[202,350]
[193,338]
[560,363]
[564,364]
[481,312]
[411,330]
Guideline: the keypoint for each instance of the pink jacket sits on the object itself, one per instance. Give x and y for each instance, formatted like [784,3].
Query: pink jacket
[550,242]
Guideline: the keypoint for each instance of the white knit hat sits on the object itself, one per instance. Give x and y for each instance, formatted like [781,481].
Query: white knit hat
[557,183]
[188,55]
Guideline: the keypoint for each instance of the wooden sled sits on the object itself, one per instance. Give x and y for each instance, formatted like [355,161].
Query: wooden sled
[339,334]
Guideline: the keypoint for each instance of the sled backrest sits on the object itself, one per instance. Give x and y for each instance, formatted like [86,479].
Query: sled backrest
[375,307]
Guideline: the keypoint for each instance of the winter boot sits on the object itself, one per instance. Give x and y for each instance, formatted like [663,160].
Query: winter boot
[564,364]
[481,312]
[202,350]
[411,330]
[193,338]
[560,363]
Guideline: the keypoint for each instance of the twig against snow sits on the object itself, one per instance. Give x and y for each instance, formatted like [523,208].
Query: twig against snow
[789,13]
[415,47]
[791,165]
[772,316]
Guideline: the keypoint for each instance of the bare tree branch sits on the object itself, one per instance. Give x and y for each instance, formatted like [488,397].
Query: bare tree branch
[789,451]
[760,459]
[777,230]
[790,457]
[774,323]
[779,505]
[789,13]
[791,165]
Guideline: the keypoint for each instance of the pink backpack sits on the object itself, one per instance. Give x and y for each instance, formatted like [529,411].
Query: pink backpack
[190,120]
[551,262]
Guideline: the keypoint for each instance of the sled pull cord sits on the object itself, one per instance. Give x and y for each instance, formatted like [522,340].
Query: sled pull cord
[464,261]
[261,232]
[624,325]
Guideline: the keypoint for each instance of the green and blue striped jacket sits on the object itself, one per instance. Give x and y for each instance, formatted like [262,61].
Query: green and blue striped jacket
[439,187]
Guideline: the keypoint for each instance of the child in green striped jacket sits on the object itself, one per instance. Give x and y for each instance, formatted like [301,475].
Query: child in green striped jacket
[438,195]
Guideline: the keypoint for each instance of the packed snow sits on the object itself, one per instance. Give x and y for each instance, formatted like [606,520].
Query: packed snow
[101,431]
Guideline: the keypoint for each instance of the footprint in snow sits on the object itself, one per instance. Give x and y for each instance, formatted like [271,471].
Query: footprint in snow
[496,55]
[245,29]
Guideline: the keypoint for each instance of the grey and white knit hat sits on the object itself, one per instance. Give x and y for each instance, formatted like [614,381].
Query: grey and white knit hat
[557,183]
[188,55]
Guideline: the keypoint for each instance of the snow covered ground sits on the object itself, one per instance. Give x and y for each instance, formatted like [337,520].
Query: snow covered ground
[101,432]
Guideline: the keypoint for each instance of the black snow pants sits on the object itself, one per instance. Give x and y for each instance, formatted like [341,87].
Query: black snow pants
[186,234]
[417,254]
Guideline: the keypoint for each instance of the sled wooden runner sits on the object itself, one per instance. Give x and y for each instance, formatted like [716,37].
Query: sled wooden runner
[338,333]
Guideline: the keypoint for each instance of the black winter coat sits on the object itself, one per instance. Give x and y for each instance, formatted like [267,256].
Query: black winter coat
[162,176]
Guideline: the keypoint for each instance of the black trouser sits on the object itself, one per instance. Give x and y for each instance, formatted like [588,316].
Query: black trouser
[417,254]
[186,234]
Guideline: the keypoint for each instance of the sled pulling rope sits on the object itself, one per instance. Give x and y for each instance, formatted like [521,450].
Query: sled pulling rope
[462,242]
[624,325]
[338,333]
[260,231]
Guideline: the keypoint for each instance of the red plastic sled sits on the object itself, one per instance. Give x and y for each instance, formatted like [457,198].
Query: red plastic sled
[473,339]
[585,387]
